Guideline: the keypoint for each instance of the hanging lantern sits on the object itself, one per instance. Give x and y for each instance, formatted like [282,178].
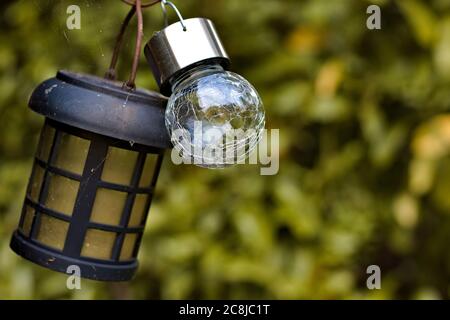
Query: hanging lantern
[94,172]
[93,176]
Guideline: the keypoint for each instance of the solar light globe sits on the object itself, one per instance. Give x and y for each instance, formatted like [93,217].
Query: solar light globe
[214,117]
[216,112]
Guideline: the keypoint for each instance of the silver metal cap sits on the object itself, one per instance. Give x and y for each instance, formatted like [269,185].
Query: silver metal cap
[178,48]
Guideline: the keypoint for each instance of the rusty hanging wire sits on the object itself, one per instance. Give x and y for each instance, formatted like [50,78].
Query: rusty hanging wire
[137,50]
[143,5]
[111,73]
[137,6]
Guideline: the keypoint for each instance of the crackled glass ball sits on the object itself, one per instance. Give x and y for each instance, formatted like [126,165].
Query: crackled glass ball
[214,117]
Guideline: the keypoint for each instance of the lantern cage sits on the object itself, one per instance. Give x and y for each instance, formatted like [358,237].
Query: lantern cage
[93,177]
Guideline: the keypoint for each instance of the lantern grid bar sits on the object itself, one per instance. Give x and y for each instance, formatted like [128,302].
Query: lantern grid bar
[147,205]
[85,198]
[103,184]
[86,259]
[35,225]
[126,213]
[91,225]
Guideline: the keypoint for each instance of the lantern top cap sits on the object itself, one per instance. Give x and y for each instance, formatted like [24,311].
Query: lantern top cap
[181,46]
[103,107]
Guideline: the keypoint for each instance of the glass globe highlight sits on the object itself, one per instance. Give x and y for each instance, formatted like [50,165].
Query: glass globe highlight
[214,117]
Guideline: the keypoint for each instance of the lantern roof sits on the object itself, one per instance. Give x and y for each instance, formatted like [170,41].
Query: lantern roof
[103,106]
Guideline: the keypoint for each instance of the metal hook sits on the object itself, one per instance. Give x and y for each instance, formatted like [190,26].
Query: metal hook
[165,3]
[166,19]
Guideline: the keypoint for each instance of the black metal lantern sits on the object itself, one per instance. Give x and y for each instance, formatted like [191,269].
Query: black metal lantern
[93,176]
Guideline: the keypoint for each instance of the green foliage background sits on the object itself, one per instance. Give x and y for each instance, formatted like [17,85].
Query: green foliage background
[364,119]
